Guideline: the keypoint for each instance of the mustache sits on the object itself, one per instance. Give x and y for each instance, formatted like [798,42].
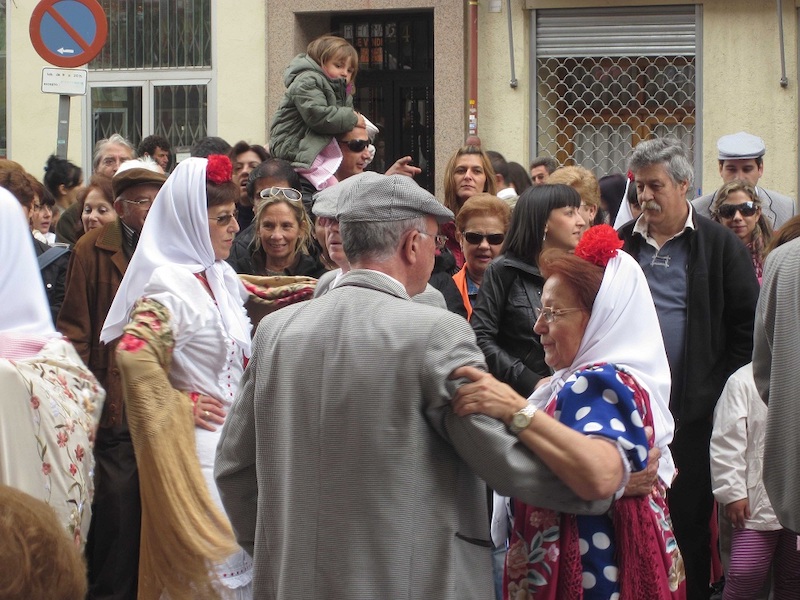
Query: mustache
[651,205]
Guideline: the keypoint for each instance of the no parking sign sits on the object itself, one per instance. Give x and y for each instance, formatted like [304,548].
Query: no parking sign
[68,33]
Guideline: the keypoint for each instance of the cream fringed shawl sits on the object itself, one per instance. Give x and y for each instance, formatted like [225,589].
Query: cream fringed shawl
[183,532]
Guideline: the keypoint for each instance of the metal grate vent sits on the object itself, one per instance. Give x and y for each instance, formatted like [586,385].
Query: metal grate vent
[598,96]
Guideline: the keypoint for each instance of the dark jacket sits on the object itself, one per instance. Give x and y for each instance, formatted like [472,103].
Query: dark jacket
[722,293]
[313,110]
[503,320]
[54,277]
[95,271]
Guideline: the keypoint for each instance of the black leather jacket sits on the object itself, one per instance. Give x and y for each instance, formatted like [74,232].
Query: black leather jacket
[503,320]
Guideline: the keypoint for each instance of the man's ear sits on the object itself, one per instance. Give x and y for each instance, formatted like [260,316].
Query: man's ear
[410,247]
[119,207]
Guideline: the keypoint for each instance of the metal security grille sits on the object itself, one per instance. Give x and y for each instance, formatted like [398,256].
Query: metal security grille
[181,113]
[156,34]
[608,78]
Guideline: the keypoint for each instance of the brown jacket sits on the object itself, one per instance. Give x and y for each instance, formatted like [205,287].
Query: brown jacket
[95,271]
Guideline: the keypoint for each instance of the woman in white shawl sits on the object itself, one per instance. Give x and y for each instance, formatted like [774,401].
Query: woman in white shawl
[50,401]
[186,339]
[601,336]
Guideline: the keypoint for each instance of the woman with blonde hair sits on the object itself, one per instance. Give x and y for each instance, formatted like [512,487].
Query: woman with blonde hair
[282,237]
[738,207]
[585,183]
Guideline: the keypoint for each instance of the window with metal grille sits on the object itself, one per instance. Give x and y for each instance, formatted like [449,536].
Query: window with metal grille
[609,78]
[154,73]
[156,34]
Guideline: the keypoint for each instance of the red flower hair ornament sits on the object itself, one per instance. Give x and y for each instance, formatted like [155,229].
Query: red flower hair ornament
[599,245]
[219,169]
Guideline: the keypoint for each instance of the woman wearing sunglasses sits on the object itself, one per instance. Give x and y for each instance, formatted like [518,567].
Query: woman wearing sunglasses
[283,235]
[184,338]
[738,207]
[481,227]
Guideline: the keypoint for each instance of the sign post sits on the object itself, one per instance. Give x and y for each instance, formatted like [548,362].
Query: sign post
[67,33]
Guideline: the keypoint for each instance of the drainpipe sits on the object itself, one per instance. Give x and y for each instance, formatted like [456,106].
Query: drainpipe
[472,63]
[784,80]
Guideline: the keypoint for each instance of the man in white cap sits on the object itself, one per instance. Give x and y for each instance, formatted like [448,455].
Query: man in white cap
[741,156]
[356,480]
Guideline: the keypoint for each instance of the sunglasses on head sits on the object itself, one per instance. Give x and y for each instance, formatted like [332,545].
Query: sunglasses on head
[494,239]
[275,191]
[728,211]
[355,145]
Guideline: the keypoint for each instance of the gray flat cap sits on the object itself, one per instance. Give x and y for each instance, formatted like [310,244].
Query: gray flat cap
[326,201]
[371,197]
[740,145]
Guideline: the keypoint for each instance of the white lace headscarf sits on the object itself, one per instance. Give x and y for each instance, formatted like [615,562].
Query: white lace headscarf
[176,232]
[25,309]
[623,330]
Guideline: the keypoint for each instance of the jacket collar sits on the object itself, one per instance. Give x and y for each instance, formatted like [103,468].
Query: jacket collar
[374,280]
[520,265]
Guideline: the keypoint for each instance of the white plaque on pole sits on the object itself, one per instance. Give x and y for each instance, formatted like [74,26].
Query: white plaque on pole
[65,82]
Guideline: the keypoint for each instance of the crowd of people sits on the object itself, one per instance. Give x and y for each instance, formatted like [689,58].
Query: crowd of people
[270,372]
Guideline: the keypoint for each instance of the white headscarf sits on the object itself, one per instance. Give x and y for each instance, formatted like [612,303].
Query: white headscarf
[623,330]
[23,302]
[176,232]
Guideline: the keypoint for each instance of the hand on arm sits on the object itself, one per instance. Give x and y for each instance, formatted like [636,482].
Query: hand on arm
[590,467]
[641,483]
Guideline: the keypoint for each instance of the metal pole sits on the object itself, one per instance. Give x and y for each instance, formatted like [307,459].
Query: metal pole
[513,83]
[62,137]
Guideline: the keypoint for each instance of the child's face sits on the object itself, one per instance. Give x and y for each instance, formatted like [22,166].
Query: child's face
[338,67]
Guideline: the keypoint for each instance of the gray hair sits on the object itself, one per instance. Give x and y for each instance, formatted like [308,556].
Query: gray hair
[663,150]
[115,139]
[376,240]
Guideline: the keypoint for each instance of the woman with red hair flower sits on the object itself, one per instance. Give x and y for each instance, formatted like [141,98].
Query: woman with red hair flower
[611,379]
[185,338]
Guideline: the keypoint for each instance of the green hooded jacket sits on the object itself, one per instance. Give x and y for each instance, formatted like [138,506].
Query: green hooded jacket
[314,109]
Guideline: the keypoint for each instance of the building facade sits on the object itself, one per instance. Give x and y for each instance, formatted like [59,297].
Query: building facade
[582,80]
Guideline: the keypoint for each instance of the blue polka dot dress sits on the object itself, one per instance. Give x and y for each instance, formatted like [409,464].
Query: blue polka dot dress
[595,401]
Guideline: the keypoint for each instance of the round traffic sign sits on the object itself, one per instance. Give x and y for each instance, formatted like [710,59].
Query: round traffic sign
[68,33]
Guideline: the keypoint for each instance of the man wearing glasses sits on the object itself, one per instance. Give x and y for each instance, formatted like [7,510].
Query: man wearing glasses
[98,264]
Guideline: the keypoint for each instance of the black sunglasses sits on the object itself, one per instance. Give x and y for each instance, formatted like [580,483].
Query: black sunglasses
[355,145]
[728,211]
[494,239]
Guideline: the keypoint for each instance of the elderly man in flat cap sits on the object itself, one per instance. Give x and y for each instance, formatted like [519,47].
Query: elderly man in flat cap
[741,156]
[356,479]
[98,263]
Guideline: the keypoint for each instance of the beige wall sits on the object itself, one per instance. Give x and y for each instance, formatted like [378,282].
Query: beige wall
[290,28]
[740,86]
[503,111]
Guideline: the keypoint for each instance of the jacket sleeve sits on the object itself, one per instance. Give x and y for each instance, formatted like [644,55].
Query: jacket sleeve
[235,463]
[317,112]
[74,318]
[741,297]
[495,455]
[486,316]
[729,444]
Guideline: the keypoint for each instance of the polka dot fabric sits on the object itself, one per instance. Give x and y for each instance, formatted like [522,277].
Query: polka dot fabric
[596,402]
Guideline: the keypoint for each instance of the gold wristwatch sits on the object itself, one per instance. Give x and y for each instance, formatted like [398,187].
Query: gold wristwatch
[521,419]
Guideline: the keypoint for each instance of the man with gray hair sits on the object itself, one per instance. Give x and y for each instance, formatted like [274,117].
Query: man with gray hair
[705,291]
[356,480]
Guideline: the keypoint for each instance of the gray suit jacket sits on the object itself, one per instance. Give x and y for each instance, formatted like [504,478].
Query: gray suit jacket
[342,467]
[777,208]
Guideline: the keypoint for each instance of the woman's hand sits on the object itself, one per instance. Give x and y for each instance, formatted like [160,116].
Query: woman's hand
[642,482]
[207,411]
[485,395]
[738,512]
